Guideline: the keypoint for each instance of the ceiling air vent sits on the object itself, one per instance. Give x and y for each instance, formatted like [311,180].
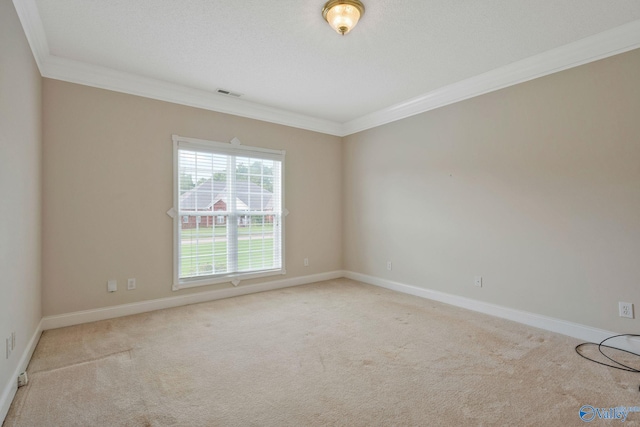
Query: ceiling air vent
[229,93]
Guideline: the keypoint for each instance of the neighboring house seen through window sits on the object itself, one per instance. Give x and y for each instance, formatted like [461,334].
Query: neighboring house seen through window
[229,222]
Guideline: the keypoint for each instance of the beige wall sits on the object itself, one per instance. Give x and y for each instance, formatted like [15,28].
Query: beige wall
[20,148]
[535,187]
[107,169]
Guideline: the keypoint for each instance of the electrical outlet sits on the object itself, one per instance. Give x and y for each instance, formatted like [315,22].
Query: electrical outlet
[306,262]
[389,266]
[112,285]
[8,352]
[626,309]
[131,284]
[23,380]
[13,341]
[477,281]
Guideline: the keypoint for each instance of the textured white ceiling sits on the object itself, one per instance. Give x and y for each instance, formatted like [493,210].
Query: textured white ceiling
[282,53]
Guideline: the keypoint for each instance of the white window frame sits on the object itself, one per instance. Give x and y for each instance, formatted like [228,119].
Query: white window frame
[231,148]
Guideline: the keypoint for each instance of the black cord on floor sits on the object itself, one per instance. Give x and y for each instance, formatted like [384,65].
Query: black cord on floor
[620,366]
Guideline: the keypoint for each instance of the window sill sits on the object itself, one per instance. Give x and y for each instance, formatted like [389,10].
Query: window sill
[227,278]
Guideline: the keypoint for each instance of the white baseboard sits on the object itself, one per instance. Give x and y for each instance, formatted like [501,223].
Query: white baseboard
[79,317]
[575,330]
[571,329]
[11,387]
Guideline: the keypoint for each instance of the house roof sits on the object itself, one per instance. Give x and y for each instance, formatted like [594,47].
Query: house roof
[249,196]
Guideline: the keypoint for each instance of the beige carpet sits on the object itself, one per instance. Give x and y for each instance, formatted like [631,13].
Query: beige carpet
[337,353]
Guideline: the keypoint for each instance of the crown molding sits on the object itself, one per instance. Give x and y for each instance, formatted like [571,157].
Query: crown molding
[602,45]
[55,67]
[105,78]
[34,30]
[608,43]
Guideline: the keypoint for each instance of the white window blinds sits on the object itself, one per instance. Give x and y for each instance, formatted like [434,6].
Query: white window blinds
[229,222]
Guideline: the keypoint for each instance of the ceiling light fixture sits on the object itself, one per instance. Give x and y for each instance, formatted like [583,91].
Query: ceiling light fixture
[343,15]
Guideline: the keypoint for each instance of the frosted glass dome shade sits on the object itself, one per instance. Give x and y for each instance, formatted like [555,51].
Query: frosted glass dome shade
[343,15]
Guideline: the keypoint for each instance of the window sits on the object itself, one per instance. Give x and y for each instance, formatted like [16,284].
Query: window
[228,221]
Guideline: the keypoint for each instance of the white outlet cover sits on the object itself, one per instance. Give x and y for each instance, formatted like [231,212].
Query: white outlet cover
[112,285]
[625,309]
[23,379]
[478,281]
[131,284]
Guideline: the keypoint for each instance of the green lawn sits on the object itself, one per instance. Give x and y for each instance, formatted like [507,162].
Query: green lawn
[211,257]
[221,230]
